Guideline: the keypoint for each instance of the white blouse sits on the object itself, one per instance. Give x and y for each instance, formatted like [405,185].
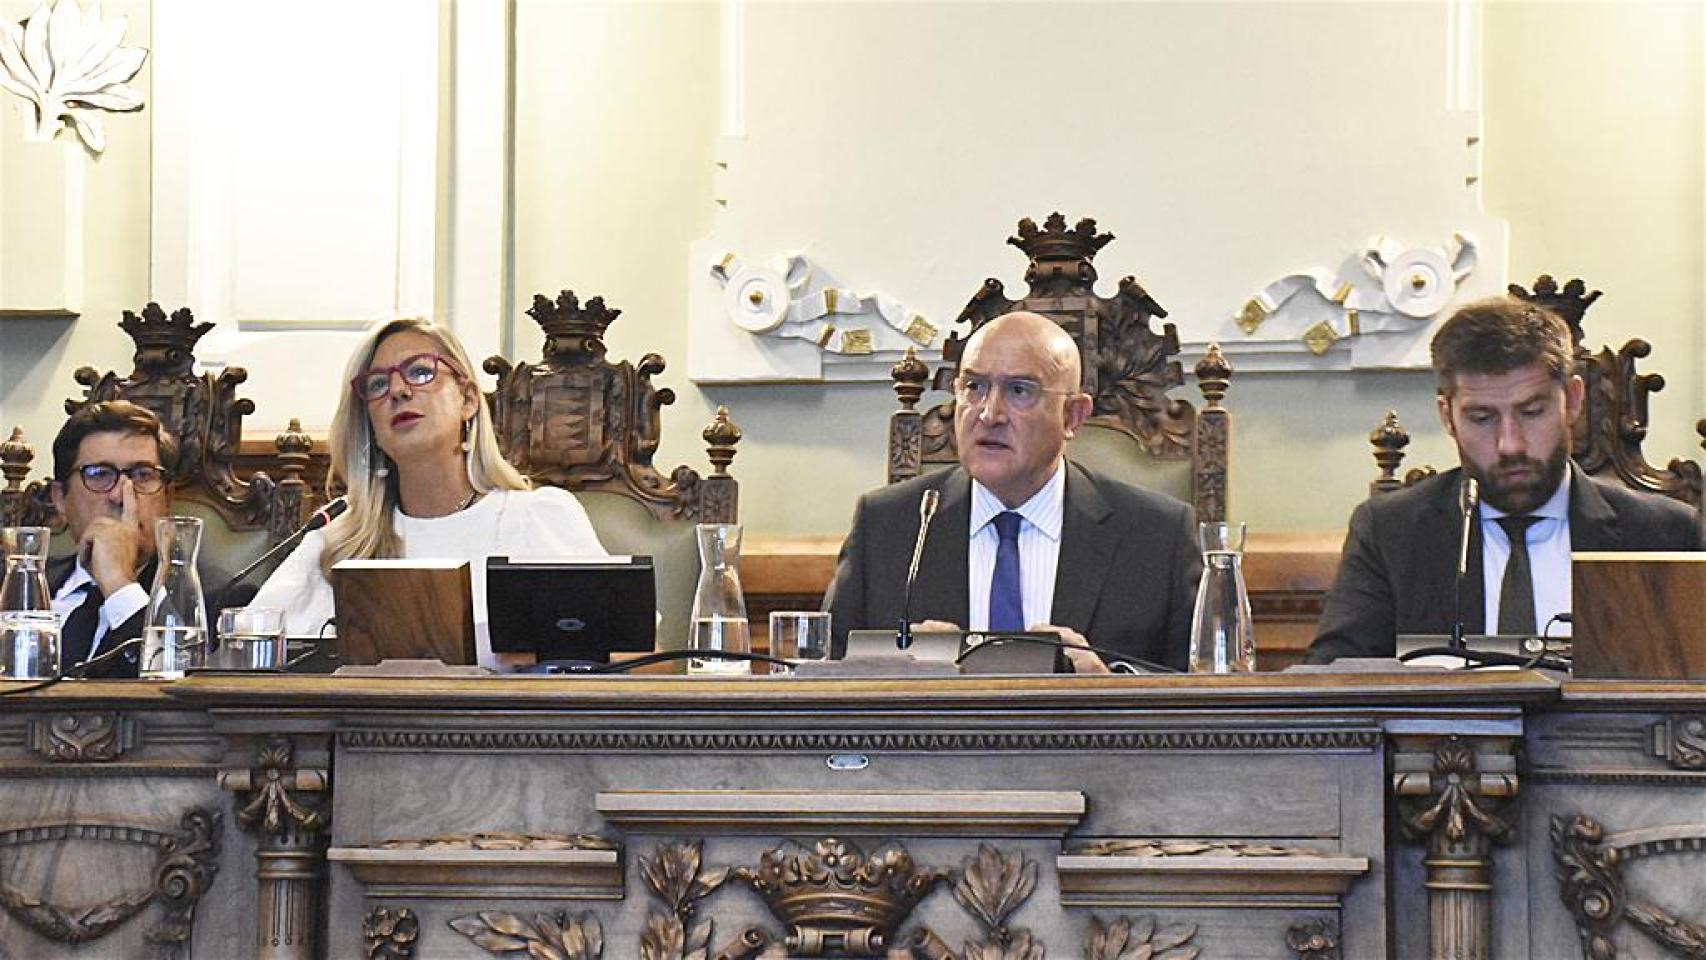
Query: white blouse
[547,522]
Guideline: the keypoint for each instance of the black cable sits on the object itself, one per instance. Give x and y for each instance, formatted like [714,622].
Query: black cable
[1489,658]
[1104,652]
[75,671]
[666,656]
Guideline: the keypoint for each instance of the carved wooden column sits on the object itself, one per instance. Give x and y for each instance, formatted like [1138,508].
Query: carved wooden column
[1389,440]
[719,493]
[287,807]
[292,497]
[906,425]
[1211,454]
[1455,795]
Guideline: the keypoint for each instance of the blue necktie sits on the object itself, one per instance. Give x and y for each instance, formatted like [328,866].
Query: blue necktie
[1006,600]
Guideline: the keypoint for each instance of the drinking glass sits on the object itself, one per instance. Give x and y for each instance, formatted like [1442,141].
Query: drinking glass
[798,635]
[250,638]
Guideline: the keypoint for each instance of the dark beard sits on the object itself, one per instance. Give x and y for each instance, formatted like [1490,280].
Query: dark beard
[1523,497]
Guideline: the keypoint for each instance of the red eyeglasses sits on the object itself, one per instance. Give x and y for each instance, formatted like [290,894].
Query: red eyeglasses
[419,370]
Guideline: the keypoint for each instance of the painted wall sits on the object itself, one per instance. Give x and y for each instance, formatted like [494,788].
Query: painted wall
[1593,153]
[38,356]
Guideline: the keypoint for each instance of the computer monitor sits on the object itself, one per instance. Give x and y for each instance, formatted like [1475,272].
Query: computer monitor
[569,609]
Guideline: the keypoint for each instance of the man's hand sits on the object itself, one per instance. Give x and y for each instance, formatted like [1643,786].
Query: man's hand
[935,626]
[112,548]
[1083,661]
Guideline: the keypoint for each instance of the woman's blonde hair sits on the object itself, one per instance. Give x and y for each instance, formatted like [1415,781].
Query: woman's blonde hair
[365,529]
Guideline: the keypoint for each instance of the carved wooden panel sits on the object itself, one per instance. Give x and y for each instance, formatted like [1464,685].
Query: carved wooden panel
[183,869]
[206,416]
[1128,368]
[576,420]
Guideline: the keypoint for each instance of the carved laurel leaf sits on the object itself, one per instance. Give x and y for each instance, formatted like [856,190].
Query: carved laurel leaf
[664,938]
[1138,938]
[62,60]
[1022,947]
[992,885]
[544,937]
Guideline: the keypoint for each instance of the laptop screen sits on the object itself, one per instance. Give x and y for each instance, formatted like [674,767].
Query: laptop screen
[571,609]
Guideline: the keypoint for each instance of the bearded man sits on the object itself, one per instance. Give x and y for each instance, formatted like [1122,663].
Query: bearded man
[1508,394]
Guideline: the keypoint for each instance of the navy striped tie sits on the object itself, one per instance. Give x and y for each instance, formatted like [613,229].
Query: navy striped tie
[1006,598]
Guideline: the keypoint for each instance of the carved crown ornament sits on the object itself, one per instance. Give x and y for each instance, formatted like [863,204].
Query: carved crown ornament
[66,64]
[576,420]
[204,414]
[835,901]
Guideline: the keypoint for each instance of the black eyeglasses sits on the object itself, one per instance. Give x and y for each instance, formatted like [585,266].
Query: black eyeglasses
[102,477]
[417,371]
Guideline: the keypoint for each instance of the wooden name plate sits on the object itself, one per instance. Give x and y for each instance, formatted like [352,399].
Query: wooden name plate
[403,609]
[1639,616]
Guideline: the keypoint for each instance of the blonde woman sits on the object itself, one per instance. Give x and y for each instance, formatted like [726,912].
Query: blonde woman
[414,445]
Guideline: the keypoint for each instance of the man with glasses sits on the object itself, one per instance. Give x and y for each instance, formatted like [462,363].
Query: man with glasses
[109,486]
[1023,539]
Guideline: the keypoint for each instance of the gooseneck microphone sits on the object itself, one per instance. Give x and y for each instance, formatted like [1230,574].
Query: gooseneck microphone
[1469,503]
[926,512]
[321,517]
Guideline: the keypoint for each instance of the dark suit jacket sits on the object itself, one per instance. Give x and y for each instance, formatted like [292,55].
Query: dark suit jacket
[1126,579]
[125,665]
[1399,564]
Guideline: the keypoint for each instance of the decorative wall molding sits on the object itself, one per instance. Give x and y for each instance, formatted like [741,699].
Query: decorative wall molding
[793,298]
[1192,873]
[84,737]
[932,813]
[65,63]
[1381,288]
[765,742]
[488,866]
[183,870]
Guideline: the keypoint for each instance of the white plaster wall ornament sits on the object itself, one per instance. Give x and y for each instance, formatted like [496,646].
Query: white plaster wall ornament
[1383,288]
[64,61]
[790,299]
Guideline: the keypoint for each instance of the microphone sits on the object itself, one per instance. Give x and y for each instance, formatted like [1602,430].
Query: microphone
[326,514]
[926,512]
[1469,503]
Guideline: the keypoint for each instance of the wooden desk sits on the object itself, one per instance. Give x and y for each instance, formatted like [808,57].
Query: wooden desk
[1287,575]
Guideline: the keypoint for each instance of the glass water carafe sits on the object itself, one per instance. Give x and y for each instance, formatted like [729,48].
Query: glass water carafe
[174,637]
[29,631]
[719,606]
[1222,636]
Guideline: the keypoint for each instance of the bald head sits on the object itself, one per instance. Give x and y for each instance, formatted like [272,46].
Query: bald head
[1018,399]
[1053,348]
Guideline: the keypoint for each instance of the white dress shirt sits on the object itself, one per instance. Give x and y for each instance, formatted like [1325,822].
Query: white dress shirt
[1039,548]
[546,522]
[1548,560]
[116,609]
